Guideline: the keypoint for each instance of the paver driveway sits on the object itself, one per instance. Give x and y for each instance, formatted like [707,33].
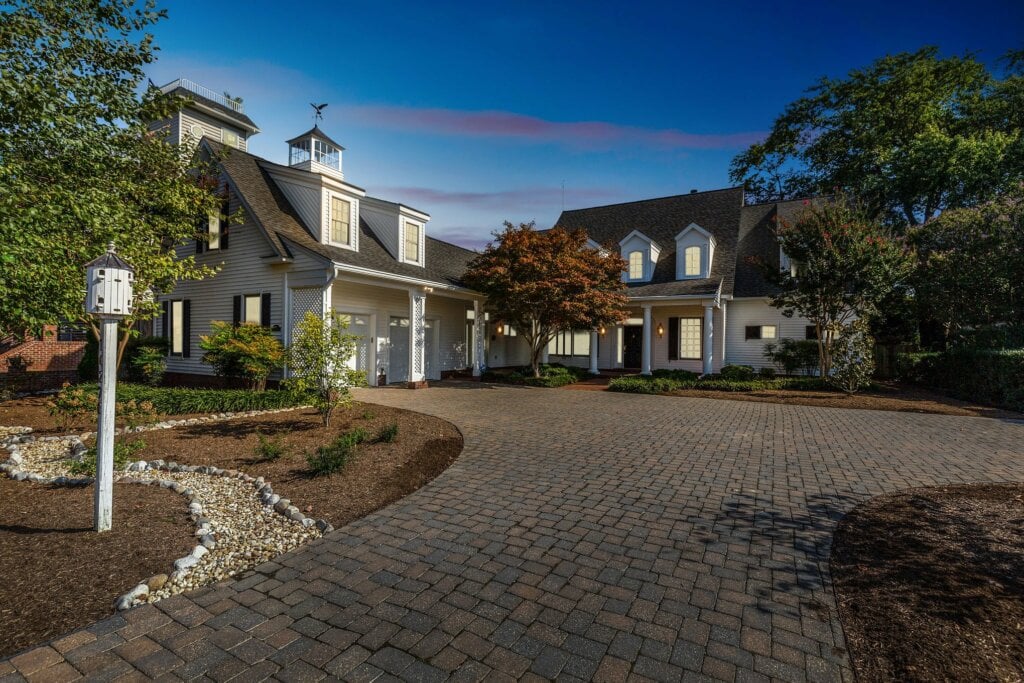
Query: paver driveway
[580,535]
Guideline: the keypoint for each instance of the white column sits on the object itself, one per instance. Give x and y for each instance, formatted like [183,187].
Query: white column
[707,347]
[721,344]
[618,345]
[593,352]
[417,336]
[102,511]
[545,355]
[645,359]
[478,338]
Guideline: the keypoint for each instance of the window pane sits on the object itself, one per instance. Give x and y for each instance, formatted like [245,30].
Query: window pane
[689,338]
[214,242]
[341,212]
[636,265]
[412,242]
[252,308]
[580,343]
[768,332]
[177,326]
[692,261]
[753,332]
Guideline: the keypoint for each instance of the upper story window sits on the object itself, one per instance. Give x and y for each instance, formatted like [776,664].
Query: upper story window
[298,152]
[326,154]
[213,240]
[341,222]
[229,138]
[636,265]
[692,265]
[412,241]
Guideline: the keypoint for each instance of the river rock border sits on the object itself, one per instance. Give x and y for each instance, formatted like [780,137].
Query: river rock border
[187,572]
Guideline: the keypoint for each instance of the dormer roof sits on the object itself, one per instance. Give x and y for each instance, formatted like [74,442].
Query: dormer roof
[693,227]
[315,132]
[637,233]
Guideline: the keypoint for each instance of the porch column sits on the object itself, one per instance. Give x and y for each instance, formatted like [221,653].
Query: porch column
[593,352]
[478,338]
[645,358]
[707,347]
[545,355]
[417,336]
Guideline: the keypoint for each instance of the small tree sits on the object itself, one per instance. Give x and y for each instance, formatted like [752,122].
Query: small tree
[544,282]
[318,360]
[247,351]
[845,264]
[854,361]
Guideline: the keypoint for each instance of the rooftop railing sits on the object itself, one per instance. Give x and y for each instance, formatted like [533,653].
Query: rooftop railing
[204,92]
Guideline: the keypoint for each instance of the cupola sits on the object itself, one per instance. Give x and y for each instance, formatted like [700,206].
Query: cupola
[314,151]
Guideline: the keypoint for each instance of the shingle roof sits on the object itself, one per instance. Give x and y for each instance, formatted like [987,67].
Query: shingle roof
[717,211]
[315,130]
[445,263]
[757,243]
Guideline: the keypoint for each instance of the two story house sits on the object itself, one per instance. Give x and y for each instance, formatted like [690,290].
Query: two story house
[314,242]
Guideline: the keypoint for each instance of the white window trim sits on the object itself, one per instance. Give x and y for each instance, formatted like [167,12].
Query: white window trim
[700,262]
[418,261]
[700,338]
[707,253]
[643,266]
[243,318]
[172,318]
[353,221]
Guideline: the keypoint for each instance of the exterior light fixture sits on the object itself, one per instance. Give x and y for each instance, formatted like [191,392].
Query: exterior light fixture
[501,328]
[601,331]
[661,330]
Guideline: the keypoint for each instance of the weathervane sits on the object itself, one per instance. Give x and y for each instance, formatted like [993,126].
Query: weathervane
[318,111]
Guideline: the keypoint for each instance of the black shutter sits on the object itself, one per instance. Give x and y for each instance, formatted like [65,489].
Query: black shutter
[265,310]
[752,332]
[165,318]
[673,338]
[186,328]
[224,227]
[236,312]
[202,228]
[810,332]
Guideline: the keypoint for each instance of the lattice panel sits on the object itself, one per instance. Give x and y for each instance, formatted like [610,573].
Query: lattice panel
[418,334]
[306,300]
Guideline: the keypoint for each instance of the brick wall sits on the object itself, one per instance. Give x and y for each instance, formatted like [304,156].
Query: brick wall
[50,362]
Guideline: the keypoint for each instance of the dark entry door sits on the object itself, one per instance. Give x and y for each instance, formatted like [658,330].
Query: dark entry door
[632,339]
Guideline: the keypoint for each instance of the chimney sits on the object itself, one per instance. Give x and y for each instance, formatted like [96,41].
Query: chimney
[693,191]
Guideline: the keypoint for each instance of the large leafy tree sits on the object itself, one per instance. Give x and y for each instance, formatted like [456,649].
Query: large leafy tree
[78,165]
[910,135]
[547,281]
[971,264]
[844,265]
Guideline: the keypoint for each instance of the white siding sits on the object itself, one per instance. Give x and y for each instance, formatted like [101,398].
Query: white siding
[306,200]
[211,127]
[243,272]
[659,346]
[451,315]
[743,312]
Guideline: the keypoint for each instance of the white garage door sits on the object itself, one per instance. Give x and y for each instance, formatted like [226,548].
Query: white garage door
[362,359]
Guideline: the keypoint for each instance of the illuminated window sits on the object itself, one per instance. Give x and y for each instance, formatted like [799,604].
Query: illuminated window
[692,261]
[341,221]
[689,338]
[636,265]
[251,311]
[213,242]
[177,327]
[761,332]
[412,242]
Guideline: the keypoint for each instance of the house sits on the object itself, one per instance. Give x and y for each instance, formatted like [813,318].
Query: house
[697,299]
[314,242]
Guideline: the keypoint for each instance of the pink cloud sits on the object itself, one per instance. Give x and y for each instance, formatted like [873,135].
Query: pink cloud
[520,198]
[503,124]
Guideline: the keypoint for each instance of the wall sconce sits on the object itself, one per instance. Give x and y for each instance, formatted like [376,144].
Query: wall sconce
[501,328]
[601,331]
[661,330]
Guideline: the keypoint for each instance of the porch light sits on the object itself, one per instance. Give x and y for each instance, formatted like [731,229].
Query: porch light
[501,328]
[661,330]
[601,331]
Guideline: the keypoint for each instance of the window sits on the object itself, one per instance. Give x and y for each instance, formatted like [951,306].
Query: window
[326,154]
[570,343]
[691,266]
[177,327]
[213,241]
[229,138]
[690,338]
[251,309]
[811,332]
[636,265]
[412,242]
[761,332]
[341,221]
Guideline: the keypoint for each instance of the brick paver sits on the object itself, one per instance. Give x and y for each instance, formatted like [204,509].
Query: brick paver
[581,535]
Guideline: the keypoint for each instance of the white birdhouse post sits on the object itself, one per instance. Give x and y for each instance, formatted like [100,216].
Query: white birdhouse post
[109,297]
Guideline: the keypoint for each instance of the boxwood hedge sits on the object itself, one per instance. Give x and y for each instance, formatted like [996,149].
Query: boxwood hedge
[991,376]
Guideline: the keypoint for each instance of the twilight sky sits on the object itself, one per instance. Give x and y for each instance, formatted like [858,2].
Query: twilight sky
[480,114]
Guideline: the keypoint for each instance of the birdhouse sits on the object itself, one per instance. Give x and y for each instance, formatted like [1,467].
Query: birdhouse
[109,280]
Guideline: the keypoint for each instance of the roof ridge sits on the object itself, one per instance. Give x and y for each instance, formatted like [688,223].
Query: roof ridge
[654,199]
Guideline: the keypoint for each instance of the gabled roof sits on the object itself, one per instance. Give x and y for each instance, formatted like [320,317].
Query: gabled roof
[315,131]
[716,211]
[248,174]
[645,238]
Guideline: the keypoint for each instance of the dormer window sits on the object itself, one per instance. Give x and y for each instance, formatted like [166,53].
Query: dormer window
[341,222]
[411,242]
[636,265]
[692,261]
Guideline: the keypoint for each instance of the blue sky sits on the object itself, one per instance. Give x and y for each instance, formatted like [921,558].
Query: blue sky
[479,114]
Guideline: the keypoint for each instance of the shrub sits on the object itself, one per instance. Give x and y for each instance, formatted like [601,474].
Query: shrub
[181,401]
[369,415]
[551,375]
[318,359]
[737,372]
[767,373]
[147,360]
[247,351]
[268,450]
[853,360]
[675,374]
[993,377]
[794,355]
[330,458]
[638,384]
[72,403]
[388,433]
[123,454]
[89,366]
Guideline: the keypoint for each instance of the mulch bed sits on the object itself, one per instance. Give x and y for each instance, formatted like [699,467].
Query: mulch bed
[930,584]
[31,411]
[887,396]
[378,474]
[56,574]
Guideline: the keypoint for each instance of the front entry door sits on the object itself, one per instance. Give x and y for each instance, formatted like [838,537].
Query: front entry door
[398,354]
[632,346]
[359,325]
